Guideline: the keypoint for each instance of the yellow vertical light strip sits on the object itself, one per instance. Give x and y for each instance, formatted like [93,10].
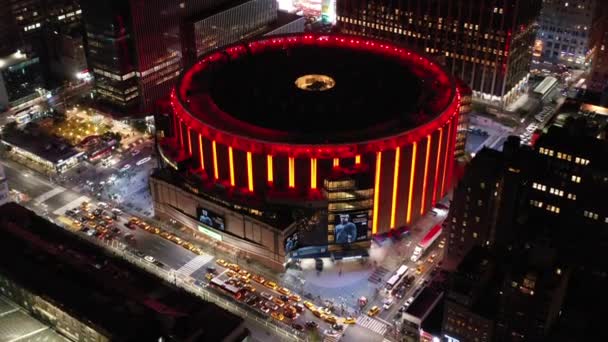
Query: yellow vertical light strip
[395,186]
[189,142]
[336,162]
[445,160]
[215,171]
[292,178]
[249,172]
[200,151]
[313,173]
[426,172]
[376,192]
[269,168]
[231,164]
[357,159]
[437,166]
[412,176]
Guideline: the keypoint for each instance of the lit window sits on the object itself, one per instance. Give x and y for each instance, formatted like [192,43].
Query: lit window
[474,235]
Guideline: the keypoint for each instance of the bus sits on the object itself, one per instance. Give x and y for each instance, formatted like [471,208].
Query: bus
[426,242]
[544,88]
[396,277]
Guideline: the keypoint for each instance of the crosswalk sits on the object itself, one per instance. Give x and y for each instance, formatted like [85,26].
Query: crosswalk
[194,264]
[372,324]
[47,195]
[71,205]
[332,338]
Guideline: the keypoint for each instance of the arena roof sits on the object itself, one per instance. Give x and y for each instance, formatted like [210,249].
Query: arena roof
[368,90]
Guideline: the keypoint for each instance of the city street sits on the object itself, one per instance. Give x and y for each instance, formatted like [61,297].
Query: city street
[339,284]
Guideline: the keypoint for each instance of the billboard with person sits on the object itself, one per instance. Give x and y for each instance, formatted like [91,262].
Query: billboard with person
[210,219]
[350,227]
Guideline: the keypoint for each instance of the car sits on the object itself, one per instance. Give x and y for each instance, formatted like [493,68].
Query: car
[264,309]
[349,320]
[326,311]
[234,267]
[388,303]
[312,325]
[309,305]
[266,295]
[317,313]
[149,258]
[337,327]
[209,276]
[330,319]
[272,306]
[125,168]
[278,302]
[252,300]
[297,327]
[221,262]
[249,288]
[159,264]
[373,311]
[290,311]
[135,152]
[330,332]
[271,284]
[284,290]
[408,302]
[244,274]
[299,307]
[284,298]
[295,297]
[258,279]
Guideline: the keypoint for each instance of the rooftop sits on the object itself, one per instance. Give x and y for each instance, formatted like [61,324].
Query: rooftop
[12,59]
[425,302]
[112,295]
[40,144]
[322,91]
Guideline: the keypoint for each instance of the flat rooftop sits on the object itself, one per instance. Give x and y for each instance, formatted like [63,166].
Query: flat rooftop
[17,325]
[424,303]
[42,145]
[116,298]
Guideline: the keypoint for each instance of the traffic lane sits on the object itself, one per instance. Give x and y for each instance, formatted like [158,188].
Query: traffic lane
[357,333]
[24,181]
[61,199]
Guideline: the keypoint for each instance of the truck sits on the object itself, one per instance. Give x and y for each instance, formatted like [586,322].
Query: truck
[426,242]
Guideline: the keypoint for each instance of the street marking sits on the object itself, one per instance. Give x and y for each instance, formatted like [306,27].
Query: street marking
[372,324]
[194,264]
[71,205]
[29,334]
[47,195]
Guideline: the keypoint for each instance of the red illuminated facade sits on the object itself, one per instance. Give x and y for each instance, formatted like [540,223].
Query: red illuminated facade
[410,169]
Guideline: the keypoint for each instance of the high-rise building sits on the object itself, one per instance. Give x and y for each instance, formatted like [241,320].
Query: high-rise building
[486,43]
[564,30]
[536,194]
[20,79]
[505,295]
[132,50]
[4,193]
[598,44]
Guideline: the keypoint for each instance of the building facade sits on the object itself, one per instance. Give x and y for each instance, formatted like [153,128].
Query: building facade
[598,45]
[487,44]
[20,79]
[564,30]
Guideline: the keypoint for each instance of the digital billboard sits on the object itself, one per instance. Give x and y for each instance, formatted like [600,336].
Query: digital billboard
[351,227]
[210,219]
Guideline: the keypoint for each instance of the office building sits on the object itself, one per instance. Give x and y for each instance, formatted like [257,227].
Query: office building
[486,43]
[132,51]
[564,30]
[505,295]
[87,294]
[277,161]
[486,200]
[20,79]
[598,44]
[4,192]
[66,53]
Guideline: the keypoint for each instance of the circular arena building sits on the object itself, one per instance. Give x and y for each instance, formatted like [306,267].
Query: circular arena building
[358,132]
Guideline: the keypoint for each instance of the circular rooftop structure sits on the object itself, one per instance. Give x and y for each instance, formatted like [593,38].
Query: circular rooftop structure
[315,91]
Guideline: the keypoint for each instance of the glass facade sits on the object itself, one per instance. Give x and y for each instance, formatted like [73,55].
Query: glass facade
[19,79]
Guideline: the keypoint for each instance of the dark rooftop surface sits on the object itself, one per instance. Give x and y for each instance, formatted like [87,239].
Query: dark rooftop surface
[44,146]
[373,95]
[424,303]
[110,293]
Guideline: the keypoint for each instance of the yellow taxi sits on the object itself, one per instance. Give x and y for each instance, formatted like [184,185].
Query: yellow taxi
[317,312]
[349,320]
[309,305]
[234,267]
[244,274]
[278,302]
[295,297]
[209,276]
[284,291]
[271,284]
[331,319]
[277,315]
[258,279]
[221,262]
[373,311]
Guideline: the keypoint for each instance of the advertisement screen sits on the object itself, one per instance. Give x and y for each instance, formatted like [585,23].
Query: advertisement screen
[350,228]
[210,219]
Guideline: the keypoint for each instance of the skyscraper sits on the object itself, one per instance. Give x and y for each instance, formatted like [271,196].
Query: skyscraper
[132,50]
[564,31]
[484,43]
[598,44]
